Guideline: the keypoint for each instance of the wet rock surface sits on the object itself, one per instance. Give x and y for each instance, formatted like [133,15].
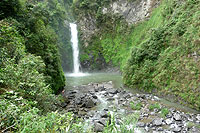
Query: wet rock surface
[96,102]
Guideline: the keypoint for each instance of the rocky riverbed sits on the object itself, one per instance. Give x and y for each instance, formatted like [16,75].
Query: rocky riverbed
[96,102]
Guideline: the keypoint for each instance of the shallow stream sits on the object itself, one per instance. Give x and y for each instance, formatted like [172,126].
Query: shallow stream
[116,79]
[95,95]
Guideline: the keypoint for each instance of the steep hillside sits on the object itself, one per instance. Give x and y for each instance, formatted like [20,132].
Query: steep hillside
[30,66]
[157,51]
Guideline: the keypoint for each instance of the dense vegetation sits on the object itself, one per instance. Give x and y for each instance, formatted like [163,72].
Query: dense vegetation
[160,54]
[30,67]
[168,59]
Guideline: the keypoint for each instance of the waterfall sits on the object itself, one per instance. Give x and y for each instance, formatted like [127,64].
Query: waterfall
[75,49]
[74,42]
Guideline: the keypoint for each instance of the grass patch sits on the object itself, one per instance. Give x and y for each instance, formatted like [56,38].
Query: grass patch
[154,106]
[136,106]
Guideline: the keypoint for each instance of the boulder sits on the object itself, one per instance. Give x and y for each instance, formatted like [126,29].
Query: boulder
[168,121]
[103,121]
[98,127]
[140,124]
[89,103]
[157,122]
[177,129]
[177,117]
[112,91]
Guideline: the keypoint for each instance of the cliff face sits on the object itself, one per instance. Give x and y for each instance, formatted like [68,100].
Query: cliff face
[132,12]
[96,18]
[129,10]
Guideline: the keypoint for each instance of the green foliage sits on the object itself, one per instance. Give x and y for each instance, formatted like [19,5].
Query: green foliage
[9,8]
[42,41]
[164,112]
[18,115]
[167,59]
[136,106]
[160,54]
[127,125]
[116,38]
[154,106]
[29,69]
[34,23]
[20,71]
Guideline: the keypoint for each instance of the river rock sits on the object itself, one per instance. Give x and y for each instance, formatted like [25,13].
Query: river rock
[63,105]
[169,115]
[195,130]
[146,128]
[110,99]
[198,117]
[177,117]
[112,91]
[82,113]
[102,88]
[140,124]
[106,109]
[160,129]
[89,103]
[103,121]
[168,121]
[94,96]
[157,122]
[126,95]
[177,129]
[98,127]
[143,96]
[78,101]
[104,114]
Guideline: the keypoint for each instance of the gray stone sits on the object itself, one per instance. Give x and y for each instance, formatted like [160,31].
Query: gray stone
[160,129]
[126,95]
[177,117]
[198,117]
[172,110]
[177,129]
[143,96]
[98,127]
[104,114]
[195,130]
[78,101]
[94,96]
[112,91]
[103,121]
[168,121]
[105,109]
[145,115]
[157,122]
[89,103]
[63,105]
[111,99]
[140,124]
[146,129]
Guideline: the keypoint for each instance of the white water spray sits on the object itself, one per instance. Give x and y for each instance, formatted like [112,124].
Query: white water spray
[75,49]
[74,41]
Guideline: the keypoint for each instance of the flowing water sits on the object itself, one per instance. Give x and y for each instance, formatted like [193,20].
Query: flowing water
[116,79]
[74,41]
[75,49]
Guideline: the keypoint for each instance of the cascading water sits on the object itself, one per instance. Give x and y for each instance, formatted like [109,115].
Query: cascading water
[75,49]
[74,41]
